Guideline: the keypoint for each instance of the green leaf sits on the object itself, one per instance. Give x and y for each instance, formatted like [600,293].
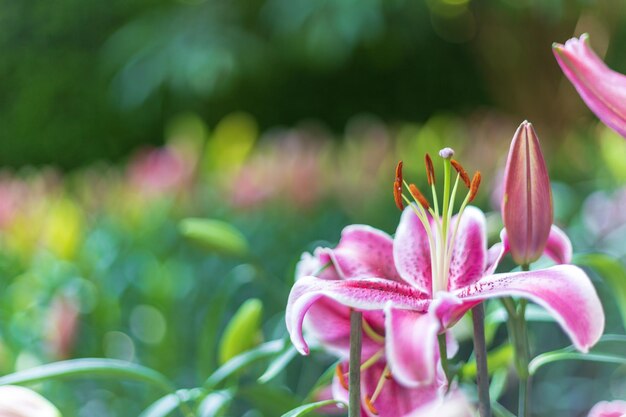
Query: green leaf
[268,399]
[556,356]
[89,367]
[278,364]
[498,384]
[307,408]
[242,361]
[243,330]
[216,403]
[324,380]
[216,236]
[499,410]
[166,405]
[612,271]
[499,358]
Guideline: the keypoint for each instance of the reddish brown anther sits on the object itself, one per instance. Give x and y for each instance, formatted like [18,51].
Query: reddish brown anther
[341,377]
[474,186]
[418,196]
[370,406]
[430,170]
[462,173]
[397,187]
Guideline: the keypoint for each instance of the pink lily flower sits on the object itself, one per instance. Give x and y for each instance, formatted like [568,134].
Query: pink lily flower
[424,280]
[602,89]
[608,409]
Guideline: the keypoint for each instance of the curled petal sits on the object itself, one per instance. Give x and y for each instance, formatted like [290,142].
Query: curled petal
[411,346]
[360,294]
[527,201]
[564,290]
[602,89]
[365,252]
[319,265]
[608,409]
[558,247]
[469,257]
[494,256]
[411,251]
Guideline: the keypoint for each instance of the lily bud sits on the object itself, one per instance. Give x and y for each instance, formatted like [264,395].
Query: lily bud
[22,402]
[602,89]
[527,200]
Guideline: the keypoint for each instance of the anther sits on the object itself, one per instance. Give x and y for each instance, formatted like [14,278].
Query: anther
[474,187]
[461,171]
[418,196]
[341,377]
[397,187]
[370,406]
[430,170]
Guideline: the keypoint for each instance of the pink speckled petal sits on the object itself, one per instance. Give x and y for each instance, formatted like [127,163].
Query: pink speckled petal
[329,322]
[411,251]
[558,247]
[365,252]
[455,404]
[494,256]
[602,89]
[564,290]
[411,346]
[469,252]
[608,409]
[360,294]
[395,400]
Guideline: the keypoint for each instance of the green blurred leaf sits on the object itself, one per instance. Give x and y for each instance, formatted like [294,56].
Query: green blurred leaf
[324,380]
[498,384]
[612,271]
[216,403]
[270,400]
[166,405]
[242,361]
[242,332]
[556,356]
[91,368]
[307,408]
[499,358]
[215,235]
[278,364]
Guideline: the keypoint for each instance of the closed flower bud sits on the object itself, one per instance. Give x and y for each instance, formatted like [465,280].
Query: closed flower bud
[527,201]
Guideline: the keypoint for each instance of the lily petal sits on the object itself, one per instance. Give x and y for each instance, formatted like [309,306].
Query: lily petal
[453,405]
[360,294]
[608,409]
[411,252]
[329,322]
[558,247]
[319,264]
[411,346]
[395,400]
[365,252]
[564,290]
[602,89]
[469,257]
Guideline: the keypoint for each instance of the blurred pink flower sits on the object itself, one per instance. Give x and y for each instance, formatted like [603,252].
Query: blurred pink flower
[62,326]
[602,89]
[608,409]
[22,402]
[156,171]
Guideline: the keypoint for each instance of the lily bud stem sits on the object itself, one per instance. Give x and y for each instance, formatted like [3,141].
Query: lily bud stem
[354,376]
[480,353]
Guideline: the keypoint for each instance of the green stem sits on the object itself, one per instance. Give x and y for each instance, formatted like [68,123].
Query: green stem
[354,377]
[480,352]
[523,355]
[443,354]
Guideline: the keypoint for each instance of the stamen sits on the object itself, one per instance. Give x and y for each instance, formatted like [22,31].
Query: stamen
[370,406]
[418,196]
[397,187]
[384,377]
[446,153]
[474,187]
[372,333]
[341,377]
[430,170]
[459,168]
[372,360]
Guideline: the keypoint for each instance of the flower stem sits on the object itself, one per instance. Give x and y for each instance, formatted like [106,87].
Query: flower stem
[480,352]
[354,377]
[443,355]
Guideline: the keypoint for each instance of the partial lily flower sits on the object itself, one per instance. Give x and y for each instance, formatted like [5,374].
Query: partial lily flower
[454,405]
[601,88]
[22,402]
[608,409]
[527,211]
[435,269]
